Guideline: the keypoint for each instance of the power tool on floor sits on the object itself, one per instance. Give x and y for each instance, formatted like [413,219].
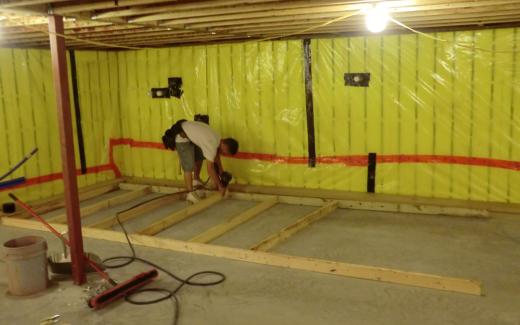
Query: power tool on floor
[224,177]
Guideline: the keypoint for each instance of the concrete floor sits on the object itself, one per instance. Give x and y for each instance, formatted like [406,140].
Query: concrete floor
[488,250]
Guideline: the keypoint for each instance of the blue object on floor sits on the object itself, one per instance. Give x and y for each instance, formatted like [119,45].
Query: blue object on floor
[12,182]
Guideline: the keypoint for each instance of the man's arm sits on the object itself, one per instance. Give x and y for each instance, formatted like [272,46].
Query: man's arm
[214,177]
[218,161]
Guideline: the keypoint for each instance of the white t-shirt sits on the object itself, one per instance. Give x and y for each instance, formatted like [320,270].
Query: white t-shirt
[178,139]
[204,137]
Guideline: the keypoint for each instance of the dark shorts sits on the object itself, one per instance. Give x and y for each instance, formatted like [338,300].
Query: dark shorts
[188,155]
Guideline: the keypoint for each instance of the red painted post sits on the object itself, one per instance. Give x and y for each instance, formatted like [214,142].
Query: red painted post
[61,84]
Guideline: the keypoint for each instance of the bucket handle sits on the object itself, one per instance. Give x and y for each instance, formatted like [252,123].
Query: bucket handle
[64,244]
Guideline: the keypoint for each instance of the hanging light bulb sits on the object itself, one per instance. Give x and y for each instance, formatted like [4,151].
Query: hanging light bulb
[376,19]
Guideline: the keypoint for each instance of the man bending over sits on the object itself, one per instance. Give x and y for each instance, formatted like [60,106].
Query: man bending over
[194,142]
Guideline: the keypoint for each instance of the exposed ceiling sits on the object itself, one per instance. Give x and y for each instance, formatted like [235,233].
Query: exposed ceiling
[152,23]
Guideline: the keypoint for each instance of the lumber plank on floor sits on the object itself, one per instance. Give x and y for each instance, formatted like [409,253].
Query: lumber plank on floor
[132,187]
[369,205]
[368,201]
[423,280]
[297,226]
[418,204]
[137,211]
[220,229]
[181,215]
[347,200]
[58,201]
[104,204]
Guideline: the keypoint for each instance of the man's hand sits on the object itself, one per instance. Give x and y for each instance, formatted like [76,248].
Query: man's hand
[222,190]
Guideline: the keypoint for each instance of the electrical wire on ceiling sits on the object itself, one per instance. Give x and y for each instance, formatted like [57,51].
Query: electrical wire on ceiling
[351,14]
[395,21]
[301,32]
[81,39]
[70,37]
[455,44]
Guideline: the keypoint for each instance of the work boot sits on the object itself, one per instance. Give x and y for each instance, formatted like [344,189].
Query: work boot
[199,188]
[201,193]
[192,197]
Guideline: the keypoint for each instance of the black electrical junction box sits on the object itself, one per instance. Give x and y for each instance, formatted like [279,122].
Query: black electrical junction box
[357,79]
[160,93]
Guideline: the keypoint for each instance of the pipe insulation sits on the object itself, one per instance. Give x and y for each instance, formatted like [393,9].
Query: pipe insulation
[18,165]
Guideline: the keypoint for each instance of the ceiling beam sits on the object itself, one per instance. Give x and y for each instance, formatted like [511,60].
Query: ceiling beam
[330,11]
[260,10]
[98,5]
[21,3]
[512,12]
[314,19]
[342,30]
[142,10]
[150,22]
[276,32]
[261,14]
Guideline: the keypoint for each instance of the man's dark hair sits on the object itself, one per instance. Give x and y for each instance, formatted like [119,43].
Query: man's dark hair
[168,140]
[232,144]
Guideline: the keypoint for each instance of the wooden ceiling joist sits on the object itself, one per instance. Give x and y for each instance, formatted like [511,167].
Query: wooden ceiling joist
[256,10]
[155,23]
[330,13]
[259,14]
[99,5]
[21,3]
[143,10]
[352,24]
[421,15]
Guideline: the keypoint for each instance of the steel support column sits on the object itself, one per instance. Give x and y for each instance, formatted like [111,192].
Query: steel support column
[61,84]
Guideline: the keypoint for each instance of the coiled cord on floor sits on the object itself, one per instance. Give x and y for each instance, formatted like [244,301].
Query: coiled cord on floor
[166,293]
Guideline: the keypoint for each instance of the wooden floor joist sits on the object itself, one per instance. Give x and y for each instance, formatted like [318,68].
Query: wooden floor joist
[58,201]
[299,225]
[137,211]
[423,280]
[397,203]
[368,205]
[132,187]
[354,200]
[181,215]
[99,190]
[104,204]
[218,230]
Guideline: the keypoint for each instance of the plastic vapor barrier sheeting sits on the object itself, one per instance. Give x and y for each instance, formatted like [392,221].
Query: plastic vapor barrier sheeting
[28,118]
[442,114]
[253,92]
[440,111]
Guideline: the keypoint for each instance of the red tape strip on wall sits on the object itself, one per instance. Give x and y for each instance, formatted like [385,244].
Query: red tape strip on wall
[354,161]
[57,176]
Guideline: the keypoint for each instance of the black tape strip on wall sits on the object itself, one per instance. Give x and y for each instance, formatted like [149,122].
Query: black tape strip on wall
[77,110]
[309,104]
[371,177]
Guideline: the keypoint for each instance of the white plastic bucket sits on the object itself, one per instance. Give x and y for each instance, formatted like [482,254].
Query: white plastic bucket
[26,262]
